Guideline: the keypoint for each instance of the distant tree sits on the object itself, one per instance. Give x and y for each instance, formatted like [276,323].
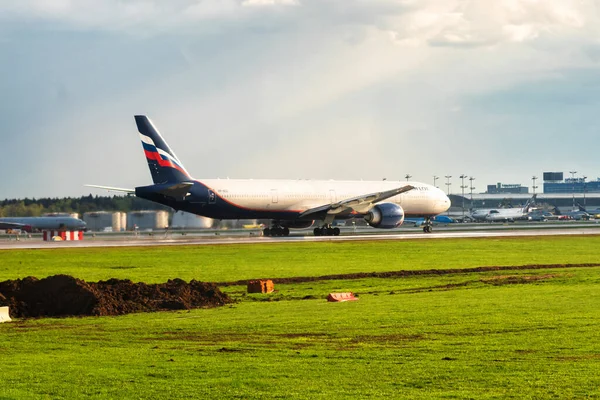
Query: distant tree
[81,205]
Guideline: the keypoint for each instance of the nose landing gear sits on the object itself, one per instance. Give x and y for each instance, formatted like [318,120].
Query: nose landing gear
[427,225]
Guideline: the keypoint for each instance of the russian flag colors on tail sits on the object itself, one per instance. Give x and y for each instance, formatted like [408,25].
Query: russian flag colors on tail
[164,165]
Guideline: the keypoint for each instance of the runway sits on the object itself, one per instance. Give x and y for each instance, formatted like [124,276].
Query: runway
[245,237]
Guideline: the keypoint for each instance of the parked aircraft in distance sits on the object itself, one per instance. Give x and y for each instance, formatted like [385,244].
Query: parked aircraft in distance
[289,204]
[29,224]
[576,214]
[594,213]
[502,214]
[510,214]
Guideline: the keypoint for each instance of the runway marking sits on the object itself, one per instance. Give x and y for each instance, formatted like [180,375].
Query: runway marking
[202,241]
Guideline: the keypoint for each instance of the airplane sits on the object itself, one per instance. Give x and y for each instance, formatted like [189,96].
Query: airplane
[289,204]
[510,214]
[576,214]
[29,224]
[480,214]
[594,213]
[499,214]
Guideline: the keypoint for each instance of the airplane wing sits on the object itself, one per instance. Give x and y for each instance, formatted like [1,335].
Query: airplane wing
[113,189]
[360,204]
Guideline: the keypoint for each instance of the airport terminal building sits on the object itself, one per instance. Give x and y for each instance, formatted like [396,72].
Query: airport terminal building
[557,191]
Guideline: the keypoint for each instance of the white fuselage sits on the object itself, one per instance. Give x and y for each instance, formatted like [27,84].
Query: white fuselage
[46,222]
[506,214]
[300,195]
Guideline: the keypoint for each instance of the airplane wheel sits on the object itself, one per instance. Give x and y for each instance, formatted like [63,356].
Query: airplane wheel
[317,231]
[336,231]
[266,232]
[276,231]
[329,231]
[286,231]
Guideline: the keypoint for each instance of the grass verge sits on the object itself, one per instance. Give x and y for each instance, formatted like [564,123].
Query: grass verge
[485,334]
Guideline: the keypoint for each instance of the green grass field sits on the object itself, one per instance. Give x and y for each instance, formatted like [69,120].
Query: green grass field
[500,334]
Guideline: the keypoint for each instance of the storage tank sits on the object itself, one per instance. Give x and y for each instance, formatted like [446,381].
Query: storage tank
[145,220]
[123,221]
[185,220]
[105,220]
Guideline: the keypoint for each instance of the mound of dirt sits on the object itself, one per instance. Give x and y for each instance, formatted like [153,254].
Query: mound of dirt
[63,295]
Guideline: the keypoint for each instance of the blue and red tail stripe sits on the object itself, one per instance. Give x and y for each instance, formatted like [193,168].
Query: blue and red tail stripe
[163,163]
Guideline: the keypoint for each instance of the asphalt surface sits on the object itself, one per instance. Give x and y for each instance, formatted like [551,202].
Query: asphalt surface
[348,234]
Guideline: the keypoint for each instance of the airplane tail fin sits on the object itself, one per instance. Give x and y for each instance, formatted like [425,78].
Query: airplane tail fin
[530,203]
[556,211]
[164,165]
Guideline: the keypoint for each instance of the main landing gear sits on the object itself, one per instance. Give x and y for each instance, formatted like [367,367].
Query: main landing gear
[427,225]
[276,231]
[327,230]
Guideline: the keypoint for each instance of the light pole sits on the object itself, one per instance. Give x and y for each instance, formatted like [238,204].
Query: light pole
[407,176]
[573,181]
[448,183]
[471,187]
[584,189]
[463,187]
[435,179]
[533,178]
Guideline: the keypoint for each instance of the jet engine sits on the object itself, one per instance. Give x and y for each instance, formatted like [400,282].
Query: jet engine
[385,216]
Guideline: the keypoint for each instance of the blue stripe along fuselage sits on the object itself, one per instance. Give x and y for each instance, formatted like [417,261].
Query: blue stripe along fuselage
[204,201]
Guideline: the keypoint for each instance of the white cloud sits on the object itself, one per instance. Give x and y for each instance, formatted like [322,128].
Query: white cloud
[261,3]
[485,23]
[462,23]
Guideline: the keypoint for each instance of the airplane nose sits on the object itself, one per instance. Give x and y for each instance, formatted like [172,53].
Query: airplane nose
[443,204]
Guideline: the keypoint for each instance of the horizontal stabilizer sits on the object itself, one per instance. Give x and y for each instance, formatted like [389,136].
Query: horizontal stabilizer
[113,189]
[178,190]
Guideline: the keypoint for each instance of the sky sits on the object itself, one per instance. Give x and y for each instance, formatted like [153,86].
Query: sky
[315,89]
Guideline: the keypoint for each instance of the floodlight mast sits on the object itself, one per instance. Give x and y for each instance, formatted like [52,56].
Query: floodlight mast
[463,187]
[573,182]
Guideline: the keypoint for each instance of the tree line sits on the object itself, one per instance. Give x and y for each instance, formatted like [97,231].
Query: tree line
[37,207]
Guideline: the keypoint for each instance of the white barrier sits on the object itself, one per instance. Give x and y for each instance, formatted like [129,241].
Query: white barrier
[4,316]
[62,235]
